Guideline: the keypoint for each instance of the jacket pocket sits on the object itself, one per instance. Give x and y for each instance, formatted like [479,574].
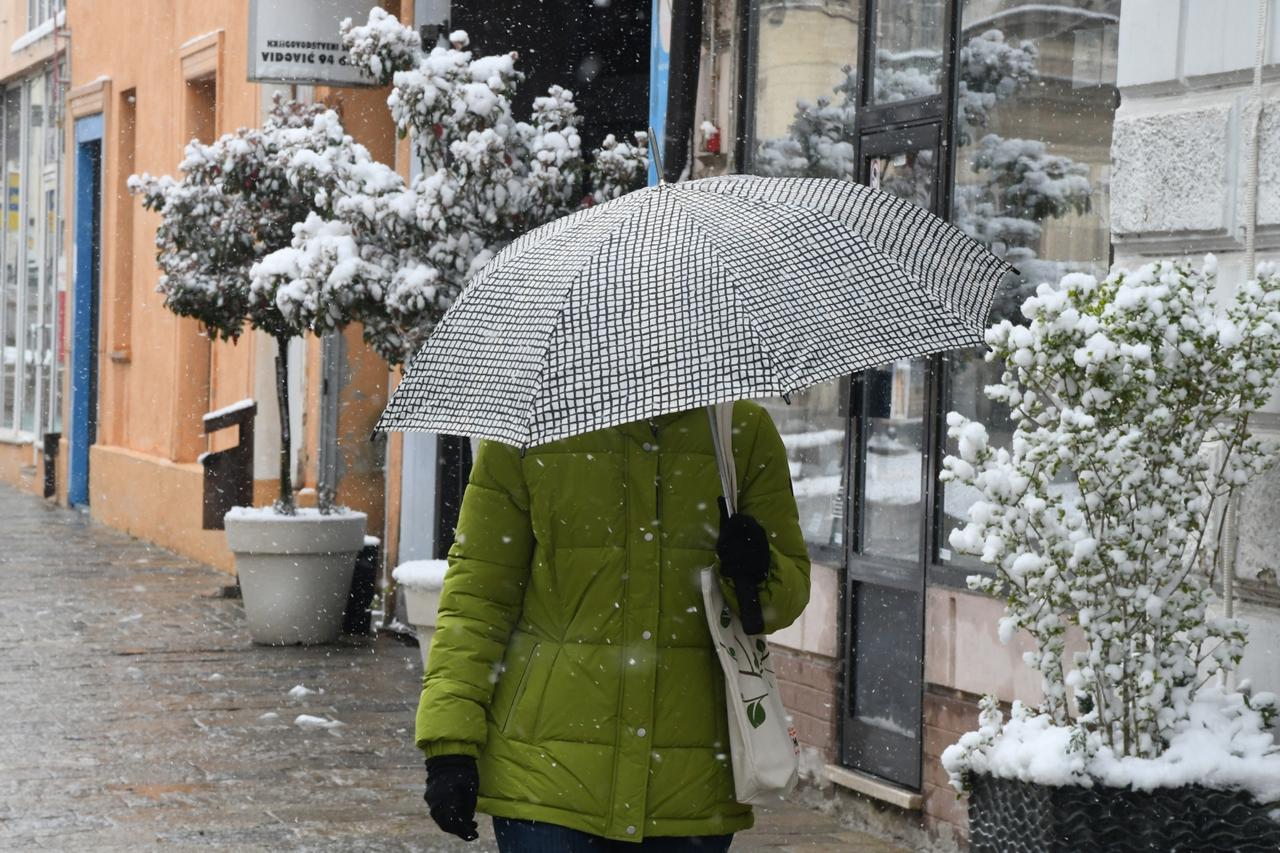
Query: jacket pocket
[509,714]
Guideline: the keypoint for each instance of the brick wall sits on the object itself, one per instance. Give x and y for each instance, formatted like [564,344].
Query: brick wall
[809,684]
[947,715]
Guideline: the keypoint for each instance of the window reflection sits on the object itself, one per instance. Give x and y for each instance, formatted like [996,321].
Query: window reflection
[33,331]
[906,174]
[909,40]
[892,499]
[9,284]
[1035,110]
[813,431]
[33,264]
[805,88]
[805,91]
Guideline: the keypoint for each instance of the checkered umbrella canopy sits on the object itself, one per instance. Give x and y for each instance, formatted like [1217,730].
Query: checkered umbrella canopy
[686,295]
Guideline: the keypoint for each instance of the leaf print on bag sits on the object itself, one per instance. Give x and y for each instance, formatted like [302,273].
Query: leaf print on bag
[755,711]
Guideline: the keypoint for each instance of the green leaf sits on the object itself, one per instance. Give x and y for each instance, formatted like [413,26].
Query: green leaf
[725,617]
[755,714]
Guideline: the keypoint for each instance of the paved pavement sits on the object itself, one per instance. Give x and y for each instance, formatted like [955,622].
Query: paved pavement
[137,715]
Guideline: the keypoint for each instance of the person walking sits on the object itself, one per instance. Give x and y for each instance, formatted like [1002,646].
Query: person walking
[572,691]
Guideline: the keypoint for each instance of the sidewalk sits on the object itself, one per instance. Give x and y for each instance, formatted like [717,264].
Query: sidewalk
[138,715]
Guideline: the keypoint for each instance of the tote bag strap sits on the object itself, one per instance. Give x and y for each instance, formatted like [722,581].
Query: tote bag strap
[721,416]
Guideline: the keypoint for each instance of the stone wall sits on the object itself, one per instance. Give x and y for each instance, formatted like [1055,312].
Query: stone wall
[1180,157]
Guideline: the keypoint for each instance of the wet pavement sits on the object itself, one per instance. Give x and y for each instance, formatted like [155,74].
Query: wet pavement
[137,714]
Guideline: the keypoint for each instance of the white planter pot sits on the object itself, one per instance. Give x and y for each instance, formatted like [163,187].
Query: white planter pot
[295,572]
[420,606]
[420,582]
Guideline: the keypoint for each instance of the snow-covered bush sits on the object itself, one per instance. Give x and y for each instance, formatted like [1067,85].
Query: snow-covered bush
[406,248]
[618,166]
[1102,515]
[240,198]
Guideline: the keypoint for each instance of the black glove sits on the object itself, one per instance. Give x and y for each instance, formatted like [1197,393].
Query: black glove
[743,548]
[453,782]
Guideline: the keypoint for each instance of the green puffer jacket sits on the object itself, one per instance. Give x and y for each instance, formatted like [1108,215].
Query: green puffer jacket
[571,654]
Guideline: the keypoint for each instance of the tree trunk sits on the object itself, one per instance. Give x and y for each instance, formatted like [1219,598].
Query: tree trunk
[285,502]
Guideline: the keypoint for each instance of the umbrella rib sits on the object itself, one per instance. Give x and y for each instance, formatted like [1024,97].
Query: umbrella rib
[573,284]
[736,288]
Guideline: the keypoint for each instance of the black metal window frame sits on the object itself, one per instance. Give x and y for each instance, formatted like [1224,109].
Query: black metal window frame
[875,128]
[870,121]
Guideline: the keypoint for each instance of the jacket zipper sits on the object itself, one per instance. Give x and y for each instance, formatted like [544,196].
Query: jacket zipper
[657,478]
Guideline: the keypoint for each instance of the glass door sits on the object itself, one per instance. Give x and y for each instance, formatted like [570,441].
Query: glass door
[882,730]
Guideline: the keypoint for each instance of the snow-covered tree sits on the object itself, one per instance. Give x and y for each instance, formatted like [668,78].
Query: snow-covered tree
[1131,400]
[240,198]
[486,178]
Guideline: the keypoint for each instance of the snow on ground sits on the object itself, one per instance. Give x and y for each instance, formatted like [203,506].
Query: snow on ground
[307,721]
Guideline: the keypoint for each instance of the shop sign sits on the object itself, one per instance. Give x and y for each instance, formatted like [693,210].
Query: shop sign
[297,41]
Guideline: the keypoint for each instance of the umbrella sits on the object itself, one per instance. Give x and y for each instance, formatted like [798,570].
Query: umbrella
[685,295]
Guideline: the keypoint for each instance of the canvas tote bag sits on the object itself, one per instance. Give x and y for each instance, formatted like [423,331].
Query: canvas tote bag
[762,741]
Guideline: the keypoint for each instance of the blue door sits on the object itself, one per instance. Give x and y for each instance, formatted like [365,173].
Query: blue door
[84,301]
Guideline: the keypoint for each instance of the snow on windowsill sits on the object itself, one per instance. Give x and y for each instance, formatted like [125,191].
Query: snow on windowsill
[421,574]
[197,39]
[43,31]
[19,437]
[237,406]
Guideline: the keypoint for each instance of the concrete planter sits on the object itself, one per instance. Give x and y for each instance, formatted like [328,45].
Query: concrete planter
[420,583]
[295,572]
[1010,816]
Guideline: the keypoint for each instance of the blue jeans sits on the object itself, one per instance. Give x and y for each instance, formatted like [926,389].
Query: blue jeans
[531,836]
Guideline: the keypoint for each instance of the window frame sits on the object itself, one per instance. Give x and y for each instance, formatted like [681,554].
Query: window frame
[45,394]
[41,11]
[930,119]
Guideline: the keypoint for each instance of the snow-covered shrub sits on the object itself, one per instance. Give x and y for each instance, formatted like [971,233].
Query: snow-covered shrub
[240,198]
[618,166]
[1102,514]
[401,251]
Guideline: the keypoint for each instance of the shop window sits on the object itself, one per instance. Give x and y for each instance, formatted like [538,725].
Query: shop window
[1033,121]
[803,90]
[908,50]
[33,284]
[10,255]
